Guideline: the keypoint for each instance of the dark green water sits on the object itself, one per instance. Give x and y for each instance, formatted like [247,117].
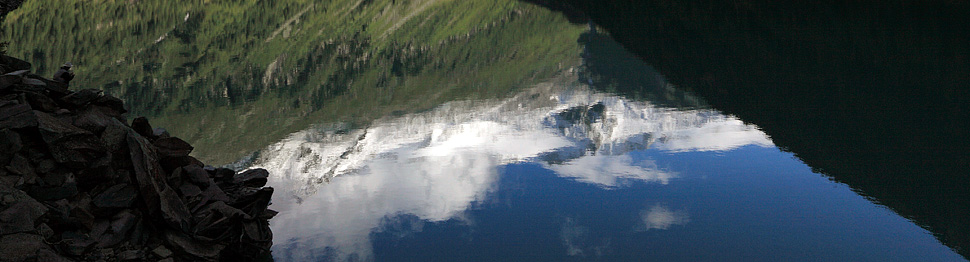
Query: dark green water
[506,131]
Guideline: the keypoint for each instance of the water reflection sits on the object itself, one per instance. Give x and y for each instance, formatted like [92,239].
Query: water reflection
[580,243]
[336,186]
[659,217]
[611,171]
[871,95]
[688,182]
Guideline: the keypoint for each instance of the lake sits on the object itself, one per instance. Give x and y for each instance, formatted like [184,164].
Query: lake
[507,131]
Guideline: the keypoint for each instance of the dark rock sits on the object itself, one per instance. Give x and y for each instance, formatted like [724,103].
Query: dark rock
[13,115]
[214,193]
[57,178]
[123,222]
[94,119]
[269,214]
[20,165]
[34,82]
[49,193]
[12,98]
[44,230]
[139,235]
[45,166]
[118,230]
[196,175]
[100,228]
[219,221]
[161,132]
[48,255]
[190,190]
[142,127]
[172,147]
[10,79]
[22,246]
[252,178]
[56,90]
[258,234]
[82,214]
[110,190]
[13,63]
[75,243]
[162,251]
[21,211]
[41,102]
[117,196]
[160,199]
[131,255]
[115,136]
[7,81]
[17,218]
[253,201]
[223,174]
[18,73]
[255,241]
[124,175]
[58,214]
[172,163]
[175,178]
[68,144]
[9,144]
[92,177]
[112,103]
[82,97]
[197,249]
[14,180]
[30,180]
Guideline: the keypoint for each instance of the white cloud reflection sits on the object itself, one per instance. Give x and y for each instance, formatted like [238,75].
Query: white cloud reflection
[436,165]
[611,171]
[659,217]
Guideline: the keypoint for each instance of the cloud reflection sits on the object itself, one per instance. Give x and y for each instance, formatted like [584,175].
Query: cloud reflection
[659,217]
[580,242]
[345,184]
[611,171]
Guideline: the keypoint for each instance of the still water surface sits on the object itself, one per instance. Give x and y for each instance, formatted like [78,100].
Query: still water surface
[562,172]
[480,130]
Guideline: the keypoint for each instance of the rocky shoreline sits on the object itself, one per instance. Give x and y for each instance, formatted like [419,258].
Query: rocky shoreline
[79,183]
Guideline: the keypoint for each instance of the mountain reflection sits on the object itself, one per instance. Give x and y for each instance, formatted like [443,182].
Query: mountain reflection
[336,185]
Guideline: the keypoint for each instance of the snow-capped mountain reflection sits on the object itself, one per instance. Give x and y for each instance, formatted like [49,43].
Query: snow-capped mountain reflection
[336,186]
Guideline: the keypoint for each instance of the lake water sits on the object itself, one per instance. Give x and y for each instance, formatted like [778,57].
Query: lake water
[560,172]
[476,131]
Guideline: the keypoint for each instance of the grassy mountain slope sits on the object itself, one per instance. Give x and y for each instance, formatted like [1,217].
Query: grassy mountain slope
[233,76]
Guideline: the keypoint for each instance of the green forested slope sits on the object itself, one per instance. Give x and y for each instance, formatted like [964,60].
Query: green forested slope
[233,76]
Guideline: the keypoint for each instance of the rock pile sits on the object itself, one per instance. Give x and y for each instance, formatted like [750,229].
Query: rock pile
[78,183]
[8,5]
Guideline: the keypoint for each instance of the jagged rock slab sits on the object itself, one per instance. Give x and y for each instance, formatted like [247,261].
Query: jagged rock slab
[158,196]
[68,144]
[117,196]
[18,211]
[14,115]
[252,178]
[26,247]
